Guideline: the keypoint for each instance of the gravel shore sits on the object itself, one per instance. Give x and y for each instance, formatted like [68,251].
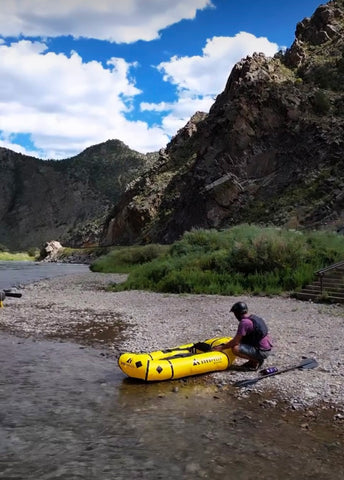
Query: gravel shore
[63,307]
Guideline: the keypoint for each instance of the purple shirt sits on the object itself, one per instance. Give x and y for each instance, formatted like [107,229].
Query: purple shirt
[246,326]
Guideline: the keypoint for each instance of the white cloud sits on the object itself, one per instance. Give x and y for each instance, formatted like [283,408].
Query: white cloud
[207,74]
[67,105]
[113,20]
[179,112]
[198,79]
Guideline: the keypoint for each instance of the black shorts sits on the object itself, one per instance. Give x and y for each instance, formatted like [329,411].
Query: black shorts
[253,352]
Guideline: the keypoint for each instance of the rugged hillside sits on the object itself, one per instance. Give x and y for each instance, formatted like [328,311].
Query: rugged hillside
[66,200]
[270,151]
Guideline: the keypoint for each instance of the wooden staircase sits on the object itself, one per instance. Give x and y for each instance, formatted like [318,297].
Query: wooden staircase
[328,285]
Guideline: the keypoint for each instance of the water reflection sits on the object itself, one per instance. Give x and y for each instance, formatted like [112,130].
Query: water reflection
[68,413]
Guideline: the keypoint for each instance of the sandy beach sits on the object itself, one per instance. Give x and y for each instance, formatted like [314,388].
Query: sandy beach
[62,307]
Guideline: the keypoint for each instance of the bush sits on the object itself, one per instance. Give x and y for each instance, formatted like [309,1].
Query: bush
[123,259]
[321,103]
[243,259]
[33,252]
[3,248]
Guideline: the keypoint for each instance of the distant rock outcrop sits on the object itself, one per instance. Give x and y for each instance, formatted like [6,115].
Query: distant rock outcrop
[50,251]
[270,150]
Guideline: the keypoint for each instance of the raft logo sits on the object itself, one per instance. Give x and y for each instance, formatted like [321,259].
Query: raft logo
[129,360]
[207,360]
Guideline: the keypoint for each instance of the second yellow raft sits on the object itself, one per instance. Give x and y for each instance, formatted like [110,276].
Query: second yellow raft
[177,362]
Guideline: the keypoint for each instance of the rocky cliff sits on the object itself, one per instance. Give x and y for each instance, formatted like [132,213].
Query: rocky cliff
[270,151]
[66,200]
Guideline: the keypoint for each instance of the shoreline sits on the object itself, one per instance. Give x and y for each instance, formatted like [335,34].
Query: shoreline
[134,321]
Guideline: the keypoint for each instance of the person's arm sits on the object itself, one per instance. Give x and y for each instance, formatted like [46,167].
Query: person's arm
[234,341]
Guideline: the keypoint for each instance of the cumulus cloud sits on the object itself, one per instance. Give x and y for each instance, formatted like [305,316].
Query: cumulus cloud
[207,73]
[64,104]
[113,20]
[176,114]
[201,77]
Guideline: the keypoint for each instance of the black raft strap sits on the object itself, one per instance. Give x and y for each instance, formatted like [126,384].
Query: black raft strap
[202,346]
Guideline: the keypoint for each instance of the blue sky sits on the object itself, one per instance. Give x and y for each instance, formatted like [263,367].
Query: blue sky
[74,73]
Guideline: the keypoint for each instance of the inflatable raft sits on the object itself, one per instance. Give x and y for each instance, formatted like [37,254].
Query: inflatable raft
[178,362]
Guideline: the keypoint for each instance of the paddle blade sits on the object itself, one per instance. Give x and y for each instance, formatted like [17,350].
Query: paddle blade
[246,383]
[308,363]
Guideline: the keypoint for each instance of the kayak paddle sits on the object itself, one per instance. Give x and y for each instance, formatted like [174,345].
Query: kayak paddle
[8,293]
[305,364]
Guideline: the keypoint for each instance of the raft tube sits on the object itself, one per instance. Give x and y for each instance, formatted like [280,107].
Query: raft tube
[178,362]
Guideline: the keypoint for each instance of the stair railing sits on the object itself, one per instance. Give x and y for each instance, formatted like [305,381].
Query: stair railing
[321,273]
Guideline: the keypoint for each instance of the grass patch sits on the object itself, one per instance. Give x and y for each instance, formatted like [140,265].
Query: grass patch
[15,257]
[243,259]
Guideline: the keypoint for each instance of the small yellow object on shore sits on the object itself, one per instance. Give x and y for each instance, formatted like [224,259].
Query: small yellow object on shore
[2,298]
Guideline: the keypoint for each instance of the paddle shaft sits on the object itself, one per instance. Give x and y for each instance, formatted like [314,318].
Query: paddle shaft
[8,293]
[307,363]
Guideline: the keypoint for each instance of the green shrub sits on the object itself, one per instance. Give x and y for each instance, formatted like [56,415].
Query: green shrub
[243,259]
[199,240]
[3,248]
[33,252]
[321,103]
[123,259]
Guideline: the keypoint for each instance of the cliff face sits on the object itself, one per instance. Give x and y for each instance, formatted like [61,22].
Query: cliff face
[65,200]
[270,150]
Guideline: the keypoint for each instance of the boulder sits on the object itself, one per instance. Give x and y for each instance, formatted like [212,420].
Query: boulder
[50,251]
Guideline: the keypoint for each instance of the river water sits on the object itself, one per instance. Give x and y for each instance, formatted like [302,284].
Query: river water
[14,274]
[68,413]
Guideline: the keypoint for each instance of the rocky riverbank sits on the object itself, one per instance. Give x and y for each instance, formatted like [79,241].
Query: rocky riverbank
[78,307]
